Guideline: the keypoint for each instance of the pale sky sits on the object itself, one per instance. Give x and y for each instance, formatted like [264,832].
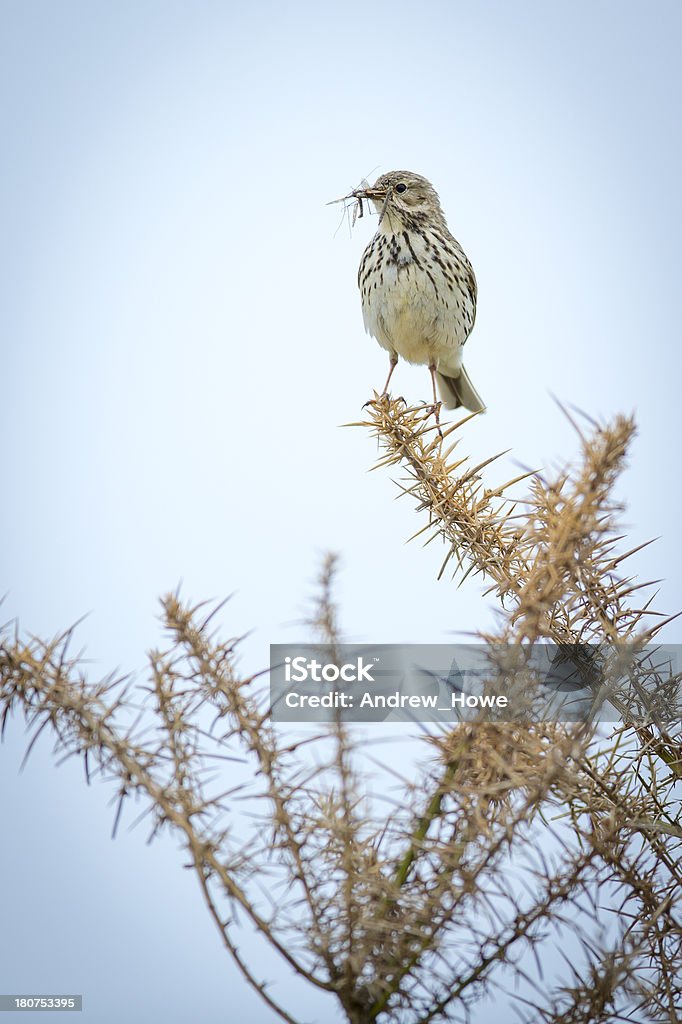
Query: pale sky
[182,339]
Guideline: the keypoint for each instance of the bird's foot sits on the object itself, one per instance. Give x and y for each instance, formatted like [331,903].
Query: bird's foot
[434,410]
[384,398]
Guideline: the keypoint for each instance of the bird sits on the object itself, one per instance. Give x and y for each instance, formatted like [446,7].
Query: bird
[417,286]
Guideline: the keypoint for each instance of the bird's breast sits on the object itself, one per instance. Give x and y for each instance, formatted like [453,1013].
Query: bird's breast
[412,303]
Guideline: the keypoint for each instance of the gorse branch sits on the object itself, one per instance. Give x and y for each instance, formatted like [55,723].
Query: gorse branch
[556,566]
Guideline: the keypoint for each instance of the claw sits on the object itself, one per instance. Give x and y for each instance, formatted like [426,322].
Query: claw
[434,410]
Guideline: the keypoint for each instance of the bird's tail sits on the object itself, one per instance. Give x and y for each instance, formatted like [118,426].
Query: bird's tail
[456,391]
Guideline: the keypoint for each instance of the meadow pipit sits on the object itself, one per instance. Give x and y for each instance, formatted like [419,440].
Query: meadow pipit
[418,287]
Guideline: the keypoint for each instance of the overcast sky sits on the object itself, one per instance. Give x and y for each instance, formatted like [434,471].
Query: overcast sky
[182,339]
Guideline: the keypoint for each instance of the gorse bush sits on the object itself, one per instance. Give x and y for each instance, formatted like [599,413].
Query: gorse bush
[507,836]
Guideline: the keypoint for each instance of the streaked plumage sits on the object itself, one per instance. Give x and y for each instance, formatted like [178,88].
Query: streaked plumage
[418,288]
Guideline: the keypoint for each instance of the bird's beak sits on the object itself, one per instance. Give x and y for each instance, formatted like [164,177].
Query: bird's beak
[369,193]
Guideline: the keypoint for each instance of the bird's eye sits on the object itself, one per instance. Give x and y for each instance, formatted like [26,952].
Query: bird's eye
[402,187]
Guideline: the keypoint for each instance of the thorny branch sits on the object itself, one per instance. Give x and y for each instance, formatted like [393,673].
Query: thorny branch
[506,837]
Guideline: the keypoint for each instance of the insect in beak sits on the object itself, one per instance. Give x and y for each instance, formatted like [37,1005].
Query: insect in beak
[364,192]
[358,212]
[373,193]
[357,195]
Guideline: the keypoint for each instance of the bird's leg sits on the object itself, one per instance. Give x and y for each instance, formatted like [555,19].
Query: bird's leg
[384,393]
[394,363]
[436,403]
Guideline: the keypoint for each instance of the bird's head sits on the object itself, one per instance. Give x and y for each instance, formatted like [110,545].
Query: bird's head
[402,199]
